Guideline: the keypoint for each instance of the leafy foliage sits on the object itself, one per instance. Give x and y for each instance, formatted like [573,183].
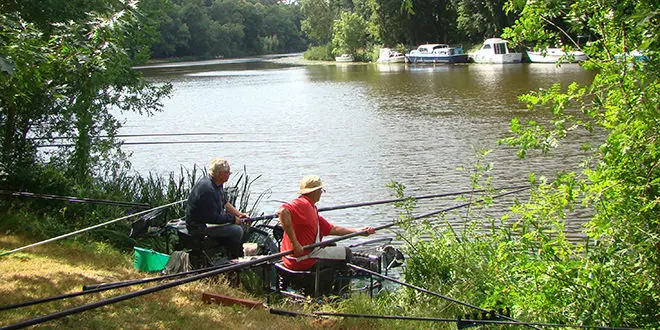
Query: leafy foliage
[349,33]
[228,28]
[63,82]
[524,260]
[319,53]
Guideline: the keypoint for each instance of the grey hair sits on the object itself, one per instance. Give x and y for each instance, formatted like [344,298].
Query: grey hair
[218,165]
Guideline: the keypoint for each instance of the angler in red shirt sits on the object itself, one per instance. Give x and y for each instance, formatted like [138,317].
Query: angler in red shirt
[303,226]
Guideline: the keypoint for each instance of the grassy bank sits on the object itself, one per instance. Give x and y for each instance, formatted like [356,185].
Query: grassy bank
[55,269]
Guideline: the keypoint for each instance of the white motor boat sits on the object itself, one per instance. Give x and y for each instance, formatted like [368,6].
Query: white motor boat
[388,55]
[496,50]
[344,58]
[554,55]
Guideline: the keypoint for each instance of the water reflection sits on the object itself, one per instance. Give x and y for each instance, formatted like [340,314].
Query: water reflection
[390,67]
[429,68]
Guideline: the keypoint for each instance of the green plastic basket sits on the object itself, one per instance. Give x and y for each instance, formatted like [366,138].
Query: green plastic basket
[149,260]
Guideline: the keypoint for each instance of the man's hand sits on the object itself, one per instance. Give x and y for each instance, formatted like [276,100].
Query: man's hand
[369,230]
[297,249]
[238,220]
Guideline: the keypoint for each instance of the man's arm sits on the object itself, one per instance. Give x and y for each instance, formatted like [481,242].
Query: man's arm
[235,212]
[285,220]
[341,231]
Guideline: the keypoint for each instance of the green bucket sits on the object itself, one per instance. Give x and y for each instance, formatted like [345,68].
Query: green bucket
[146,260]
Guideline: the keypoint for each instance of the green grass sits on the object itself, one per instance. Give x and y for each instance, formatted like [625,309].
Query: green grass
[55,269]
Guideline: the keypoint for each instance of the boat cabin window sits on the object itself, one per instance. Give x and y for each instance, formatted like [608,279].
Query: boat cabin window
[500,48]
[486,46]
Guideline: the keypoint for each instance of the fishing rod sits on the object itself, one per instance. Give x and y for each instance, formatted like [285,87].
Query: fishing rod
[138,293]
[114,285]
[57,145]
[233,267]
[263,217]
[107,286]
[73,199]
[94,288]
[138,135]
[90,228]
[483,310]
[461,323]
[394,200]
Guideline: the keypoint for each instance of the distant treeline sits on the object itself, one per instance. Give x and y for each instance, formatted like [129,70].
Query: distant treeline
[231,28]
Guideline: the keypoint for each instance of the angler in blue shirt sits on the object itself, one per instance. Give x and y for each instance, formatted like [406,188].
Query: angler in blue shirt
[207,204]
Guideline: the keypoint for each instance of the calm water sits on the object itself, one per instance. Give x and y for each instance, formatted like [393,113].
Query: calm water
[359,127]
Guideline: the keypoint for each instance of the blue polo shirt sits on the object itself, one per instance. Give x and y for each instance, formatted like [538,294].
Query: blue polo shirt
[206,204]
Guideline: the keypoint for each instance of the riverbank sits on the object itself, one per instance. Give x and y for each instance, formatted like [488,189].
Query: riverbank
[56,269]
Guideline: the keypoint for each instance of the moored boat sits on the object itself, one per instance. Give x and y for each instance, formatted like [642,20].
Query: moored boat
[635,55]
[344,58]
[437,53]
[388,55]
[496,50]
[554,55]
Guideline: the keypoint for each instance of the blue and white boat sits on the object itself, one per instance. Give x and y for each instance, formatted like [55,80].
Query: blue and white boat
[437,53]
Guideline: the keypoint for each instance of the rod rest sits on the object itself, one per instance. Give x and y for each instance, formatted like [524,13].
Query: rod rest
[304,280]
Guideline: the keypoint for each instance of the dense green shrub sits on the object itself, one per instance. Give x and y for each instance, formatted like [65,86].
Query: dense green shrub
[319,53]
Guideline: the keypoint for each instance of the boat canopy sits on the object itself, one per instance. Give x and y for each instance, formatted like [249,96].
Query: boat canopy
[429,48]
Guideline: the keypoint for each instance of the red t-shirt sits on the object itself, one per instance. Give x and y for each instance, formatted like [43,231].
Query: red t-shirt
[304,221]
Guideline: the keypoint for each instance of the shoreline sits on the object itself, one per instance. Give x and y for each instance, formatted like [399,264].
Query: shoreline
[286,59]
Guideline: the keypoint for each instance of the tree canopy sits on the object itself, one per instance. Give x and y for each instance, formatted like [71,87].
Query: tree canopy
[64,74]
[227,28]
[610,278]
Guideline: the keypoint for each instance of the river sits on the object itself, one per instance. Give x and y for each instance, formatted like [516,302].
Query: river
[358,126]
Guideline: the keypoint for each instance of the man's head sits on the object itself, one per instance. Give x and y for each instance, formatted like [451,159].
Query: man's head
[219,170]
[311,186]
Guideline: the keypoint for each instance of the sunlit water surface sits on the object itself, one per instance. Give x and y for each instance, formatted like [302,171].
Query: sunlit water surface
[359,127]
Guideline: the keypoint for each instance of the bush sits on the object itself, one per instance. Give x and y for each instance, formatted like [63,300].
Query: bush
[319,53]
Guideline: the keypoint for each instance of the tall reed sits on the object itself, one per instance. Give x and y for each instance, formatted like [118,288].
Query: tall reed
[46,218]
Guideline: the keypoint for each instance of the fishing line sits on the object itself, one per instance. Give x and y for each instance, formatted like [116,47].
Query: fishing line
[73,199]
[236,266]
[90,228]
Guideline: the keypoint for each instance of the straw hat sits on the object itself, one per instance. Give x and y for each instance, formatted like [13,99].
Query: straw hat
[310,183]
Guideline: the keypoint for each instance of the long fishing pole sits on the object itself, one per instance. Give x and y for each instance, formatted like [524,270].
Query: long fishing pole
[90,228]
[462,323]
[236,266]
[57,145]
[420,289]
[264,217]
[94,288]
[139,135]
[161,287]
[394,200]
[108,286]
[73,199]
